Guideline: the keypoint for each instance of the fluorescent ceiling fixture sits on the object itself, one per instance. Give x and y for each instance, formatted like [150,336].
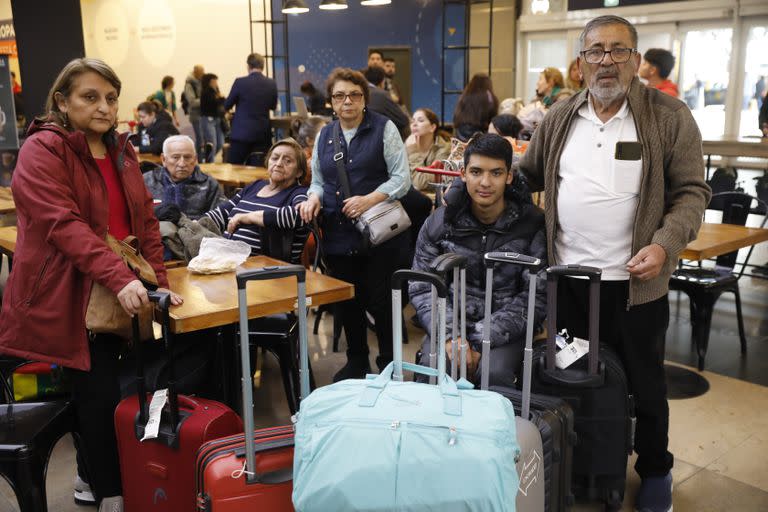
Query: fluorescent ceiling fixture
[294,7]
[333,5]
[375,2]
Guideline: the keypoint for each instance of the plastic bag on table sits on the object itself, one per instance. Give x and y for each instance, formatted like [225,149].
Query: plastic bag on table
[218,255]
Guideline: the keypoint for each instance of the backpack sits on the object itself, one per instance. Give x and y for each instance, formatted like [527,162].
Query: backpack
[723,180]
[184,103]
[761,189]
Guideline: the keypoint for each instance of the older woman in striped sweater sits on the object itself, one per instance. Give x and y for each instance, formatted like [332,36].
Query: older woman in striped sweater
[266,209]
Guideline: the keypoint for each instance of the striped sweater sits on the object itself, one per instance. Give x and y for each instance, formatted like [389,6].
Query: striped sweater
[279,214]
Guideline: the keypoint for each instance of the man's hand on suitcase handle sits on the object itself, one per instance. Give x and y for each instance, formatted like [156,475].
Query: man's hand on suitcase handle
[473,357]
[647,263]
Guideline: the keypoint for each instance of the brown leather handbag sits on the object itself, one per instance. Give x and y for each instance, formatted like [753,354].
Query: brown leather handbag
[105,314]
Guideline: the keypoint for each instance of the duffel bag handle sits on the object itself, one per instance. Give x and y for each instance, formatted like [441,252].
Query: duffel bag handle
[448,388]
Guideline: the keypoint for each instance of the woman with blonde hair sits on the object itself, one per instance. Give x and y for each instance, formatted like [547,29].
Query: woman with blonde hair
[574,80]
[549,84]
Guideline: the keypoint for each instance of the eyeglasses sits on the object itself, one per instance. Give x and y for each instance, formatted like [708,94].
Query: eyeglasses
[354,96]
[618,55]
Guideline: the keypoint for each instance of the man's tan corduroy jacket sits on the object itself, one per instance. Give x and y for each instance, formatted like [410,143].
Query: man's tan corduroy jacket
[673,193]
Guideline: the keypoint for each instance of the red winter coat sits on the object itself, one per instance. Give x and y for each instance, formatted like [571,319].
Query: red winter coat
[62,210]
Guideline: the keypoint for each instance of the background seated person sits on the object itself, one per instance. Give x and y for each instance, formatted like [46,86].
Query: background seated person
[425,145]
[489,214]
[264,212]
[153,130]
[181,182]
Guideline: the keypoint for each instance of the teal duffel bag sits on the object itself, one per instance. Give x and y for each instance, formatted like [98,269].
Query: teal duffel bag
[383,444]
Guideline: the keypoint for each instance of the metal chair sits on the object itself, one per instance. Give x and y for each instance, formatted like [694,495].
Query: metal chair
[704,286]
[28,433]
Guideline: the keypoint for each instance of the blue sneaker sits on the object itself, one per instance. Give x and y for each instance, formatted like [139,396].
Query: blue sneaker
[655,494]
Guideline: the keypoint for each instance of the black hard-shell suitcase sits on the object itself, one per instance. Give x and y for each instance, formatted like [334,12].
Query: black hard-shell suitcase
[596,387]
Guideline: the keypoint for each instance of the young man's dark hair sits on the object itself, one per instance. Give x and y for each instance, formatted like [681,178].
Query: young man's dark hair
[374,75]
[507,125]
[490,145]
[661,59]
[388,59]
[376,52]
[307,88]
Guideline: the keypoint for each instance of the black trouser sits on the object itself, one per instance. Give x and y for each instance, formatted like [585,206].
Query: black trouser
[239,152]
[638,337]
[95,395]
[505,362]
[372,276]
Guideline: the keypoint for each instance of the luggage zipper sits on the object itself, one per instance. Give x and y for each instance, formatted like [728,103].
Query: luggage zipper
[452,431]
[382,214]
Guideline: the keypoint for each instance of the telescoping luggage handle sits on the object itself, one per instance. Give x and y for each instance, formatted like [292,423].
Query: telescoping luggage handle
[534,265]
[442,265]
[243,276]
[553,276]
[394,371]
[163,301]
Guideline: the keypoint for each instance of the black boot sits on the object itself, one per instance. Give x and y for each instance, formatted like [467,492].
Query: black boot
[356,368]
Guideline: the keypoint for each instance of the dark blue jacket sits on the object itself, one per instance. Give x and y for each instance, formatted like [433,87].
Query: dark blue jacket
[254,95]
[454,229]
[366,168]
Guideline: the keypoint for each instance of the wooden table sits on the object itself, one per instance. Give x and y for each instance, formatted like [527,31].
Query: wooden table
[716,239]
[8,236]
[731,146]
[6,201]
[231,175]
[149,157]
[211,300]
[8,241]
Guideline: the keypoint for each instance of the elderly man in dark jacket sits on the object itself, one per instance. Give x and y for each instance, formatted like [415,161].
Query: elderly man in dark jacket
[181,182]
[490,211]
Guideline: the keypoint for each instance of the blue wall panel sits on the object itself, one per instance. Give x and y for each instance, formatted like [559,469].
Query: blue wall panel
[322,40]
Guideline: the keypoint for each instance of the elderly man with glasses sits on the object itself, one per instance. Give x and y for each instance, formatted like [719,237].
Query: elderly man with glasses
[181,182]
[622,168]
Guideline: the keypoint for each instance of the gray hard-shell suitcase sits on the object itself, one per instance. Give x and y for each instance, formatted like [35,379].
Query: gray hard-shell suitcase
[546,469]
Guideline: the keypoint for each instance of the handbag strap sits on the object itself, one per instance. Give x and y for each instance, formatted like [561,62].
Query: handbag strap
[339,158]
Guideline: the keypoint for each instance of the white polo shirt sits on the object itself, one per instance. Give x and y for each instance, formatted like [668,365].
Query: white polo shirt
[598,195]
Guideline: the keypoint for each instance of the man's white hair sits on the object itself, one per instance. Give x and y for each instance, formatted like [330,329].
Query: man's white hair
[177,138]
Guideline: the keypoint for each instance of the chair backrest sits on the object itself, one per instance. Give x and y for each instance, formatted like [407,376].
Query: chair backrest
[736,207]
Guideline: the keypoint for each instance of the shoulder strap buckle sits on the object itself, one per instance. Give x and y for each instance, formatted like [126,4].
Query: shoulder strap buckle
[338,156]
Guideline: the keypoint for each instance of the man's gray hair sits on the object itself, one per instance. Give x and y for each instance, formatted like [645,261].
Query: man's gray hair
[178,138]
[607,20]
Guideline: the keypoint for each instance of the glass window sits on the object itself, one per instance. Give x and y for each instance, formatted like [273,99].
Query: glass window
[706,56]
[544,53]
[755,81]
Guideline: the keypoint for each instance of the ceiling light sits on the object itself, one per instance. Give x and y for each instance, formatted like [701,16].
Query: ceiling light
[375,2]
[333,5]
[294,7]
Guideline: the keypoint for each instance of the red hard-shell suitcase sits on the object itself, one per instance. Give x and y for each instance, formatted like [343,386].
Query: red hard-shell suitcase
[256,473]
[159,474]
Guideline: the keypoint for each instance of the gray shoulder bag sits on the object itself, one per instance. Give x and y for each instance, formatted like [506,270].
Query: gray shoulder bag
[382,221]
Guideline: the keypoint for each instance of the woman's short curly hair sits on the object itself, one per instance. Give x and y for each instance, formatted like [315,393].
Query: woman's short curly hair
[347,75]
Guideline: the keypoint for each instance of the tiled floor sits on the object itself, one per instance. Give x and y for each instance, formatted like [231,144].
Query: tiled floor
[720,439]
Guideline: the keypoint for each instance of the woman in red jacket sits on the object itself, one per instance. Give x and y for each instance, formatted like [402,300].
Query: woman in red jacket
[76,180]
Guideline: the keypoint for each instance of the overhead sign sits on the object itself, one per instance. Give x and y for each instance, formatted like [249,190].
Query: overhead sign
[9,137]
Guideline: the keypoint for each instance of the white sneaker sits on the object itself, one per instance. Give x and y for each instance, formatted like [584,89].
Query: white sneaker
[83,494]
[111,504]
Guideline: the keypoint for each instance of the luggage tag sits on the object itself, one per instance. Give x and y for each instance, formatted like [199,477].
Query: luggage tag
[155,409]
[571,353]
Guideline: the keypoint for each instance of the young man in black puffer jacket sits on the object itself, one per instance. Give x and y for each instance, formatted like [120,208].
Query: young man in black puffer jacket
[489,211]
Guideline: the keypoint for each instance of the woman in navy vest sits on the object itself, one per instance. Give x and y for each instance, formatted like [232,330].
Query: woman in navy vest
[376,162]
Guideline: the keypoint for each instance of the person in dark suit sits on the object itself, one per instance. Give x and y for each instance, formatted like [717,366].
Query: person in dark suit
[254,96]
[380,101]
